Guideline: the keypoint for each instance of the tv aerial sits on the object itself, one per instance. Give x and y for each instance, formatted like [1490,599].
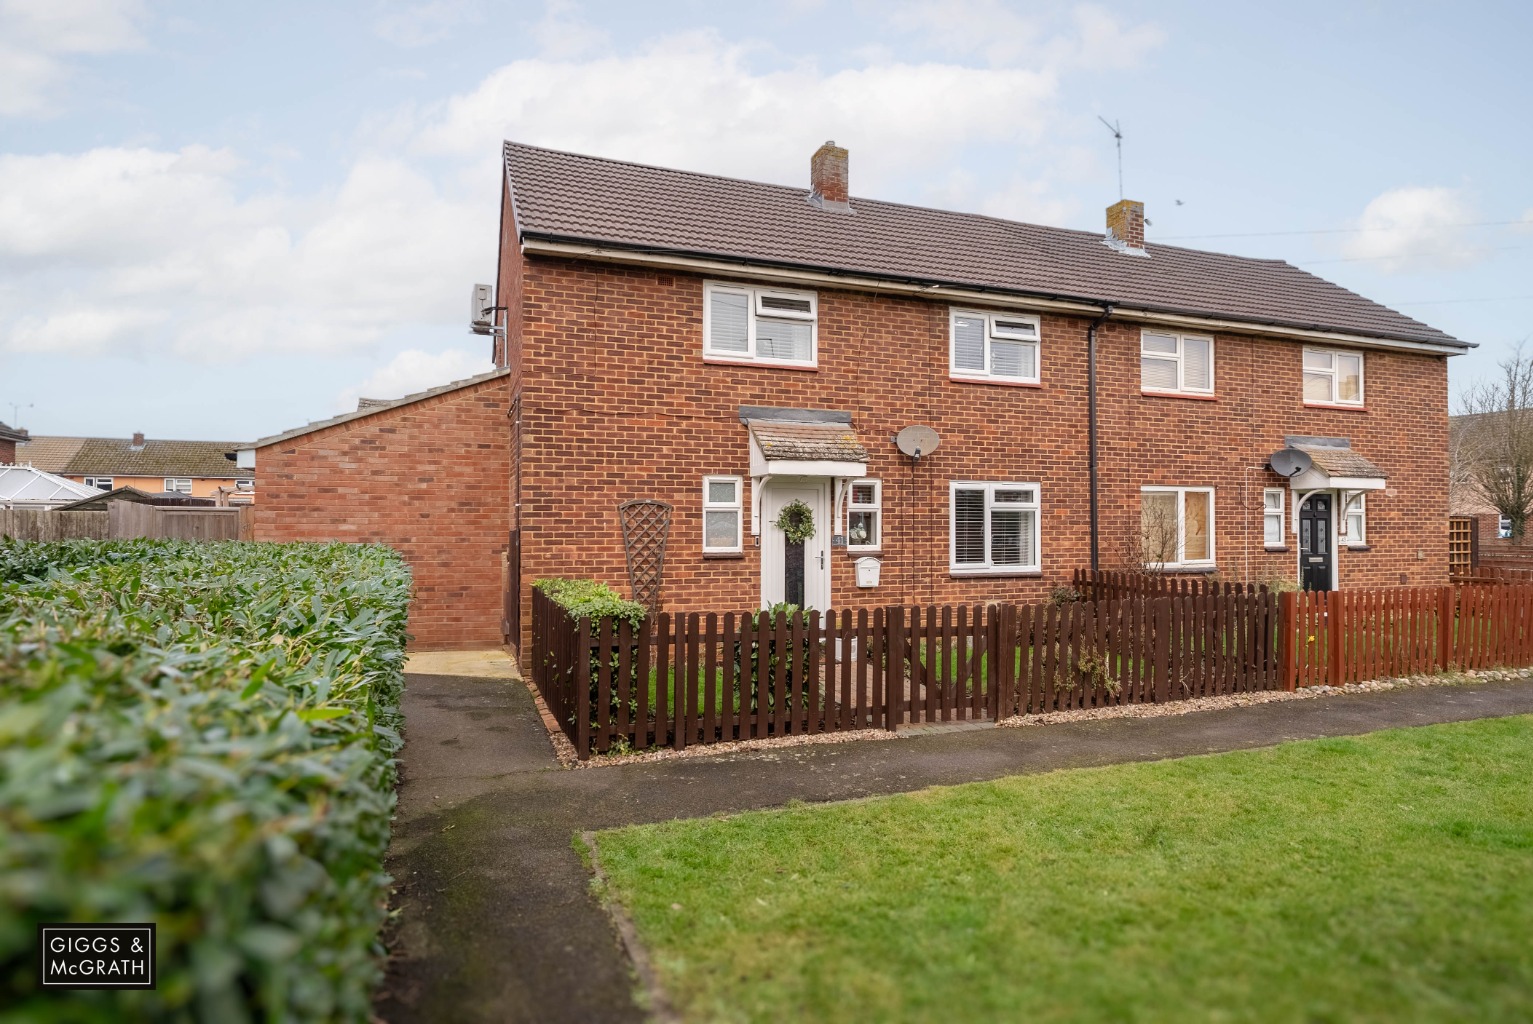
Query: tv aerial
[917,440]
[1117,134]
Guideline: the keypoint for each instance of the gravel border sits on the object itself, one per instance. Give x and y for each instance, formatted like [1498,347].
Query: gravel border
[564,750]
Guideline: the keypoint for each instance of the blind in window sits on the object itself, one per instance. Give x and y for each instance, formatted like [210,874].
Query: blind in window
[969,343]
[1195,527]
[1197,364]
[1011,537]
[783,339]
[1317,387]
[969,526]
[728,316]
[1013,359]
[1157,374]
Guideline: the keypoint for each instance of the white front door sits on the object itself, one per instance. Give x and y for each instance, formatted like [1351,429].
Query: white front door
[796,573]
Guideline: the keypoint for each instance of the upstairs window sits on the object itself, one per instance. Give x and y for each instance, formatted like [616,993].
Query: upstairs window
[101,483]
[993,528]
[721,514]
[1333,378]
[999,347]
[760,325]
[178,485]
[864,515]
[1176,363]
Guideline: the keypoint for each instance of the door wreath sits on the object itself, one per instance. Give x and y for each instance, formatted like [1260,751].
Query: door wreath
[796,521]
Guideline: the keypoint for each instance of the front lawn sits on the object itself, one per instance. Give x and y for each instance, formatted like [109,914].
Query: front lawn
[1386,877]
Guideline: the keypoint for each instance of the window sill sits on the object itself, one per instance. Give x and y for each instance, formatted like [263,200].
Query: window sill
[961,573]
[1188,570]
[1277,550]
[761,364]
[1335,405]
[1178,394]
[1356,547]
[1036,385]
[863,552]
[723,556]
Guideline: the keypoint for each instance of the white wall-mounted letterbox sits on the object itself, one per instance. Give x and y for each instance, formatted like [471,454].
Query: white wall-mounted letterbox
[867,571]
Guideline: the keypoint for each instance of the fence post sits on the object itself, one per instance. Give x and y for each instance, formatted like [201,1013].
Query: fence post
[582,668]
[1288,637]
[894,666]
[1334,637]
[1444,627]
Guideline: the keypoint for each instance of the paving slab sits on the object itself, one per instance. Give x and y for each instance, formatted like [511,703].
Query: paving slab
[497,923]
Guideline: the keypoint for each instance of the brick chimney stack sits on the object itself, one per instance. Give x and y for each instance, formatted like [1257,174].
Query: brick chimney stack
[138,440]
[1125,227]
[828,179]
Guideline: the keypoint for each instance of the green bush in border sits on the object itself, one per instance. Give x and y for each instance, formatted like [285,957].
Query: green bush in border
[201,735]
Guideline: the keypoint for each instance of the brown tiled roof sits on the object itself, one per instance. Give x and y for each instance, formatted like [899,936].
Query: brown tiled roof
[113,456]
[812,442]
[1336,461]
[380,405]
[567,197]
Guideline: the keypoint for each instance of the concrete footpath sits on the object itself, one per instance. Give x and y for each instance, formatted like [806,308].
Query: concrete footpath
[496,921]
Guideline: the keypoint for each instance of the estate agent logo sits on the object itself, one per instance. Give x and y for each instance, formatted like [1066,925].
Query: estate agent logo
[96,956]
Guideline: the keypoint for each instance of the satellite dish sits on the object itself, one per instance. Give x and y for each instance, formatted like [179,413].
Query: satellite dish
[1289,462]
[917,441]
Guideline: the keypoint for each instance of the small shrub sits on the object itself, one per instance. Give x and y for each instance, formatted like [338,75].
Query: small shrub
[1064,595]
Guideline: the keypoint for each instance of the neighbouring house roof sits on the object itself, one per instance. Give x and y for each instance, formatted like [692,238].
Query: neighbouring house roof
[11,434]
[373,410]
[30,487]
[113,456]
[807,442]
[567,197]
[166,499]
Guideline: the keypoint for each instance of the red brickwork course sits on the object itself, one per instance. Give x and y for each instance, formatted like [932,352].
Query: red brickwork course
[429,478]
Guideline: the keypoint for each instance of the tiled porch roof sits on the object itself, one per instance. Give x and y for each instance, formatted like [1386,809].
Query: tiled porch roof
[1340,461]
[808,442]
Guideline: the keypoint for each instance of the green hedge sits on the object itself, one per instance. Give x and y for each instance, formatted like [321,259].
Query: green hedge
[201,735]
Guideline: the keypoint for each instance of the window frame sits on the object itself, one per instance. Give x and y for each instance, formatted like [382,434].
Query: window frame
[989,568]
[1360,540]
[172,485]
[1334,373]
[753,295]
[1179,357]
[737,506]
[98,482]
[1281,512]
[877,508]
[987,376]
[1181,526]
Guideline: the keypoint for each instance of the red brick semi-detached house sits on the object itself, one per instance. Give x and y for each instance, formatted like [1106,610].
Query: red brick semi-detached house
[730,347]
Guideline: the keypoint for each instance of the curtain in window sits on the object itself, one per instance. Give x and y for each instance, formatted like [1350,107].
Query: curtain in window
[1196,547]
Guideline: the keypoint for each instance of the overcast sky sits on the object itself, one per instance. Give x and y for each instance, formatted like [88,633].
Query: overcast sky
[222,221]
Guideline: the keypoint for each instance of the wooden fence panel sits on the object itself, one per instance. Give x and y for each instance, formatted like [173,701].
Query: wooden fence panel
[37,524]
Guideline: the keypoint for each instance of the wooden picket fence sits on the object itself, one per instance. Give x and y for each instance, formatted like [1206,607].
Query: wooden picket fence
[1116,585]
[1348,636]
[684,679]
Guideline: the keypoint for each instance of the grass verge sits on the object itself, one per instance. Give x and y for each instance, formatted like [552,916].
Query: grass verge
[1383,877]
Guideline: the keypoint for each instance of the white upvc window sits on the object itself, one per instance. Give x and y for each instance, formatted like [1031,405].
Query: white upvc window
[1176,363]
[244,485]
[1177,527]
[999,347]
[1354,522]
[1273,510]
[102,483]
[865,515]
[722,514]
[993,528]
[1332,377]
[178,485]
[761,325]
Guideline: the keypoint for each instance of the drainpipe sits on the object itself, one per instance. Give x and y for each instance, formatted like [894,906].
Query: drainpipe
[1091,431]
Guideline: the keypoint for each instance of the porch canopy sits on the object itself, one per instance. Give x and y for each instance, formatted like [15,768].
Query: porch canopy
[1335,466]
[801,442]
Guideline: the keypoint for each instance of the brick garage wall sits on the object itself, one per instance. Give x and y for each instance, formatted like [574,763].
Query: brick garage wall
[429,479]
[617,403]
[7,451]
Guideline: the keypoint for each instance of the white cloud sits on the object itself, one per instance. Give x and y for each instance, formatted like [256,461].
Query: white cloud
[415,370]
[36,37]
[1416,228]
[139,250]
[1093,38]
[420,24]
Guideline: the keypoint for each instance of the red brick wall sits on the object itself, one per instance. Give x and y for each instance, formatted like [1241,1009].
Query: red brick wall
[7,452]
[429,479]
[617,403]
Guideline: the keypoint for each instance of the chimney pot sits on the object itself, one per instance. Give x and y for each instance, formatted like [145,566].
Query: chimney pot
[138,440]
[828,179]
[1125,227]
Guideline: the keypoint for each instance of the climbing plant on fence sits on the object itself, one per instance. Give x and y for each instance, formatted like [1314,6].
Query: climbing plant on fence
[201,735]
